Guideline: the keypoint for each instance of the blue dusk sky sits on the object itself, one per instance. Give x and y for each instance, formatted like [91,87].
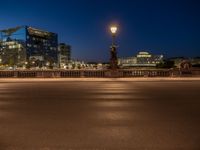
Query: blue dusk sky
[169,27]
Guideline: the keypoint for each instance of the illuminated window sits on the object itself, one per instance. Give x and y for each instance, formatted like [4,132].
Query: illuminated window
[29,45]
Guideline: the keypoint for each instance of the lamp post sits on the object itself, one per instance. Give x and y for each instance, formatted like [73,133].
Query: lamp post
[113,52]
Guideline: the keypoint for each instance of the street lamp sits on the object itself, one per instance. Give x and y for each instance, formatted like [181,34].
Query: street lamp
[113,52]
[113,29]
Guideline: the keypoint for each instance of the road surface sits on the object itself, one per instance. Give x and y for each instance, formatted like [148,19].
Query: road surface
[99,115]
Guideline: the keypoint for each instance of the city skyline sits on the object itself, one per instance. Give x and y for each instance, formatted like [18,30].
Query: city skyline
[169,28]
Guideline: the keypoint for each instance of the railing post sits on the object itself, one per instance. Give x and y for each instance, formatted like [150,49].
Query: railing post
[15,74]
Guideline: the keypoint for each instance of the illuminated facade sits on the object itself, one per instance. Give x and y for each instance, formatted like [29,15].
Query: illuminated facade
[147,58]
[21,44]
[142,59]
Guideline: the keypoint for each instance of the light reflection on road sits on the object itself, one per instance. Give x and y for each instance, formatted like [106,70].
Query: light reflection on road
[116,104]
[114,115]
[113,91]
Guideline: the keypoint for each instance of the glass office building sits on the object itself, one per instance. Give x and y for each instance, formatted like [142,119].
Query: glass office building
[64,54]
[24,44]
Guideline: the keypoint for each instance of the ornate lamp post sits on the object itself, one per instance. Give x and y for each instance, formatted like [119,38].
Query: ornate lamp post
[113,52]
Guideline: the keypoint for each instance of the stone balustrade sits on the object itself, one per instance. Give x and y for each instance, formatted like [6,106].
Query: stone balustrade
[121,73]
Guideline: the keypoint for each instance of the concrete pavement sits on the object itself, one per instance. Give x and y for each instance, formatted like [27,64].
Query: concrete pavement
[55,114]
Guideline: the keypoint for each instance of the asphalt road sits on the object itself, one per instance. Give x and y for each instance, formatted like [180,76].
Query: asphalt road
[99,115]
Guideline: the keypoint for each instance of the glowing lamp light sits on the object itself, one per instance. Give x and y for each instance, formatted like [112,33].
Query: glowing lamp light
[113,29]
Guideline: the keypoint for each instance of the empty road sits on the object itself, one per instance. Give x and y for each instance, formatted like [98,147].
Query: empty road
[99,115]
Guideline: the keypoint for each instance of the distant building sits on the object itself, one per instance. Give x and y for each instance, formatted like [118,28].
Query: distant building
[195,61]
[22,43]
[142,59]
[64,54]
[179,60]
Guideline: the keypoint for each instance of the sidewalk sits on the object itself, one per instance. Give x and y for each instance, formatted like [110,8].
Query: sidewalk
[99,79]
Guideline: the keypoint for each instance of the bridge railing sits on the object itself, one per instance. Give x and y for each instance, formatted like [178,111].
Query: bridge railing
[7,74]
[146,73]
[121,73]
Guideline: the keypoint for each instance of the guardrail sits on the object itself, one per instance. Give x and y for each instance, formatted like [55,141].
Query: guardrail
[121,73]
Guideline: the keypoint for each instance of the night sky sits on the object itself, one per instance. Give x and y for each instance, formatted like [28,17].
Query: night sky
[169,27]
